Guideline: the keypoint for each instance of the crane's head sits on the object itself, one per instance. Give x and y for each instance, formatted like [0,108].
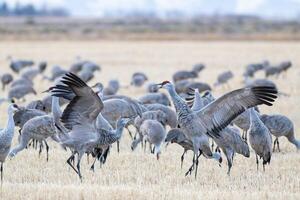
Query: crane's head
[165,84]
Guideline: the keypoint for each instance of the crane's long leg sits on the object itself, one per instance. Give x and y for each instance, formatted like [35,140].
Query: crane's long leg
[274,145]
[197,162]
[118,146]
[182,158]
[192,167]
[1,169]
[47,150]
[41,148]
[257,161]
[278,145]
[69,162]
[80,154]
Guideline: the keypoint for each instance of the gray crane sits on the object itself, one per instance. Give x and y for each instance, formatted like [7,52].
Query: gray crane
[260,138]
[80,116]
[6,79]
[20,91]
[138,79]
[154,133]
[280,125]
[213,118]
[6,136]
[151,98]
[223,78]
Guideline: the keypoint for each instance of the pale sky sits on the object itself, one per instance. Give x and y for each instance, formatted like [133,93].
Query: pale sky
[92,8]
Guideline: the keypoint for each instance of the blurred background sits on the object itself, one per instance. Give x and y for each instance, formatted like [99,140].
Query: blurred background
[150,19]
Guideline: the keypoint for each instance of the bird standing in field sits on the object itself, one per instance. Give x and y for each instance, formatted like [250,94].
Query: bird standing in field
[280,125]
[6,136]
[260,138]
[212,119]
[79,119]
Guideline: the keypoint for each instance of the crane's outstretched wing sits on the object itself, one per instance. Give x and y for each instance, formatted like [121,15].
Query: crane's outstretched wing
[219,113]
[84,107]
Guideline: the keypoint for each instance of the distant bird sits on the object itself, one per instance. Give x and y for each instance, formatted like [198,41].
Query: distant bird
[21,81]
[112,88]
[284,66]
[138,79]
[20,91]
[184,75]
[36,104]
[56,72]
[251,69]
[260,138]
[18,65]
[280,125]
[212,119]
[152,88]
[86,75]
[223,78]
[6,79]
[158,97]
[185,85]
[271,71]
[172,121]
[198,67]
[32,72]
[90,66]
[6,136]
[154,133]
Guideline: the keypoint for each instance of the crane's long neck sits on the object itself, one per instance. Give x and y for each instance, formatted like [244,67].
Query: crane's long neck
[179,103]
[294,141]
[57,113]
[119,130]
[10,126]
[198,102]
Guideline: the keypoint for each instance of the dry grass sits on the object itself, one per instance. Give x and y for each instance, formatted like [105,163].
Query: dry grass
[136,175]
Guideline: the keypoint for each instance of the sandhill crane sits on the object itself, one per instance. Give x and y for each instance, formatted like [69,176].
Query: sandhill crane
[6,79]
[284,66]
[177,136]
[25,114]
[260,138]
[36,104]
[56,72]
[154,133]
[251,69]
[198,67]
[79,117]
[32,72]
[86,75]
[152,88]
[158,116]
[20,91]
[6,136]
[158,97]
[169,112]
[21,81]
[38,128]
[185,85]
[210,120]
[112,88]
[18,65]
[230,140]
[138,79]
[271,71]
[91,66]
[184,75]
[280,125]
[223,78]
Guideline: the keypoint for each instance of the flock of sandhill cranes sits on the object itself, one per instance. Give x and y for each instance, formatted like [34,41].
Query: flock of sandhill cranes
[95,117]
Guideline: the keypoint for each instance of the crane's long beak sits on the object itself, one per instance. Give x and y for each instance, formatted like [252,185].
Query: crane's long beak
[159,85]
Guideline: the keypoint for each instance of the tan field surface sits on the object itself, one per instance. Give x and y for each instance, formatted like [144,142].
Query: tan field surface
[138,175]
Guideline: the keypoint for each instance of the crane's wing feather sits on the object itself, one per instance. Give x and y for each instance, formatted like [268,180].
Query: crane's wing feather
[219,113]
[84,107]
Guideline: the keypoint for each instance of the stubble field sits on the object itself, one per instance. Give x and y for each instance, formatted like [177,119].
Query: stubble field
[138,175]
